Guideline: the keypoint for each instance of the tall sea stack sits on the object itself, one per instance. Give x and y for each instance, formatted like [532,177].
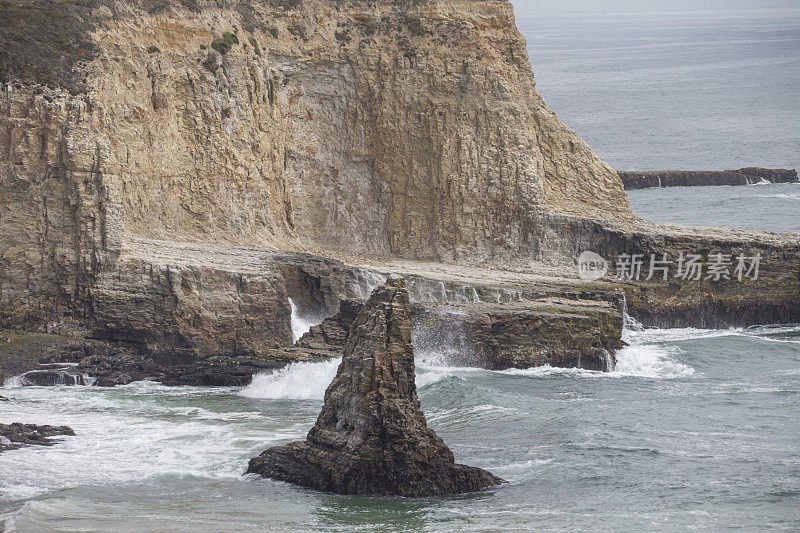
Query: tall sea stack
[371,436]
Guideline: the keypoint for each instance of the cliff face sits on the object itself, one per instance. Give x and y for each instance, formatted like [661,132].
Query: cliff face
[324,116]
[139,138]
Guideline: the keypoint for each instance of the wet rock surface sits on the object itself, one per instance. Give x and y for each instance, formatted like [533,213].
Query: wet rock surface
[692,178]
[60,361]
[524,334]
[371,436]
[16,435]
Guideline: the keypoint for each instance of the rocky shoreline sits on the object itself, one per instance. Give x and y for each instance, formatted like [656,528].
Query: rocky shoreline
[693,178]
[292,185]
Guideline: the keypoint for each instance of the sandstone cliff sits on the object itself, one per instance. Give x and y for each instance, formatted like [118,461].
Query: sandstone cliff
[171,171]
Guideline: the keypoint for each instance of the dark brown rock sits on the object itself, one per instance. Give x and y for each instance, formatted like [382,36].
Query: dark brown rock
[371,436]
[691,178]
[549,331]
[16,435]
[332,332]
[583,332]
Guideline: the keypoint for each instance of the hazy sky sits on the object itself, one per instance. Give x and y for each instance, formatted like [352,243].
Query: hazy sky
[530,8]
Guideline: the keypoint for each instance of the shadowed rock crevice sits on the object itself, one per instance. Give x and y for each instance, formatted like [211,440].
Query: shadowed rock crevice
[371,436]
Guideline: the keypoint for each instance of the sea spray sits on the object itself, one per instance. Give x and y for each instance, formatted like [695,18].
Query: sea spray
[365,282]
[642,358]
[300,325]
[297,381]
[650,361]
[308,380]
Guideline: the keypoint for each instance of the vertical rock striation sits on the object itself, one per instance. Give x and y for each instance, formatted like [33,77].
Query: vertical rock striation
[371,436]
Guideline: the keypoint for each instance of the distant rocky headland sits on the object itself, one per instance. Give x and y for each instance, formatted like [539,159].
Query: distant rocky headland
[691,178]
[179,179]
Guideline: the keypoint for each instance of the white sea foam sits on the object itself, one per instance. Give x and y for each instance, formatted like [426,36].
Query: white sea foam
[646,357]
[309,380]
[783,196]
[547,370]
[296,381]
[300,325]
[655,335]
[14,381]
[650,361]
[123,436]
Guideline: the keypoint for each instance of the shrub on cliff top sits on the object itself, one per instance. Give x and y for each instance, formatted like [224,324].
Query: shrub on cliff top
[414,24]
[254,43]
[162,6]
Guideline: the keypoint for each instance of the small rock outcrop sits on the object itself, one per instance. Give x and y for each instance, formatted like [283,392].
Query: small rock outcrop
[371,436]
[16,435]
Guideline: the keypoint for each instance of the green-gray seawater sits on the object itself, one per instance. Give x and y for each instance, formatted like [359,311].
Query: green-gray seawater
[695,428]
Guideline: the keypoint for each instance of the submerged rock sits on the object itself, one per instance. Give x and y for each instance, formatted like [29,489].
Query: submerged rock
[16,435]
[54,374]
[371,436]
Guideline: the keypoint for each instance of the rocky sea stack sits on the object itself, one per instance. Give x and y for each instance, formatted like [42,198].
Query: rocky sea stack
[371,436]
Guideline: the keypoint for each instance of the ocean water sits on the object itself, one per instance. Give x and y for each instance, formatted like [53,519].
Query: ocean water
[695,429]
[702,90]
[769,207]
[696,91]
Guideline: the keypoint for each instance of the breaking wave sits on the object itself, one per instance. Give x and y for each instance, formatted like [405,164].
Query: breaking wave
[296,381]
[300,325]
[650,361]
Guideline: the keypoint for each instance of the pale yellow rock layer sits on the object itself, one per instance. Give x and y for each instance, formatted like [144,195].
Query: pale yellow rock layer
[423,139]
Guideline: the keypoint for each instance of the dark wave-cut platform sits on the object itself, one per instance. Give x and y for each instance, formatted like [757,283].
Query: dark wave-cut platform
[692,178]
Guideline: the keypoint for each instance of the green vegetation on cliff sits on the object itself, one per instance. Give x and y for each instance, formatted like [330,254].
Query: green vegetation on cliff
[42,41]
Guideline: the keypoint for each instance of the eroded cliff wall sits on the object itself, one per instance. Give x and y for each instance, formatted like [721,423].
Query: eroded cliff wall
[407,129]
[399,130]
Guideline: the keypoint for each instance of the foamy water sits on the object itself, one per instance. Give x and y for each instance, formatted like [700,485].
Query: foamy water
[297,381]
[573,443]
[300,324]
